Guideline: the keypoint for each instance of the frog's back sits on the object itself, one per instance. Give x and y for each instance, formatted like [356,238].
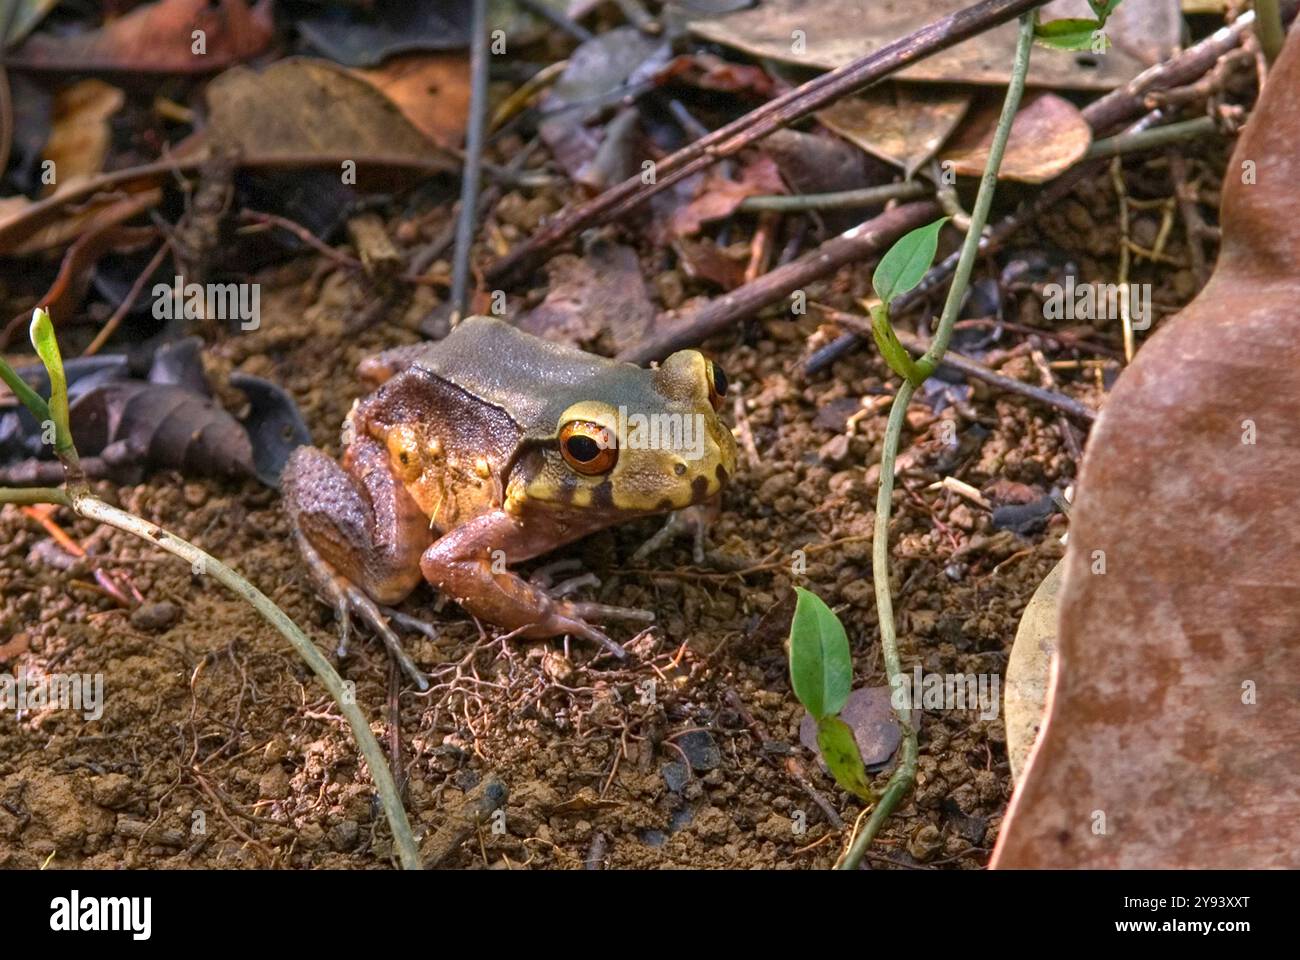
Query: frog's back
[535,380]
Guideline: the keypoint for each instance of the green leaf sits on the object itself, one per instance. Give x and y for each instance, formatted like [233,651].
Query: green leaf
[47,348]
[840,751]
[1103,9]
[907,261]
[895,354]
[1068,34]
[821,670]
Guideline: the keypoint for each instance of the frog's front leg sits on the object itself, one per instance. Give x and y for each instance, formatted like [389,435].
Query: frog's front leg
[359,532]
[469,564]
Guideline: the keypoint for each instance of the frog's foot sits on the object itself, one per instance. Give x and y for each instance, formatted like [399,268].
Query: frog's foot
[408,622]
[347,600]
[694,520]
[544,576]
[574,617]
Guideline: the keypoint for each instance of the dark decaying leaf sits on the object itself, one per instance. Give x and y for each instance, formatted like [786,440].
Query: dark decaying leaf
[599,74]
[156,38]
[599,295]
[274,425]
[125,427]
[363,35]
[719,195]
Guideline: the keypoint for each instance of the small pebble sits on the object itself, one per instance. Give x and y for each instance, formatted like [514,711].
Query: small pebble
[155,616]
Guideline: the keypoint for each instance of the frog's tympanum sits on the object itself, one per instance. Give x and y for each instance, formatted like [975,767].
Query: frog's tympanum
[490,447]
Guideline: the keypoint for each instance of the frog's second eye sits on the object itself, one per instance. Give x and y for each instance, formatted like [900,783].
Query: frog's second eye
[717,385]
[588,447]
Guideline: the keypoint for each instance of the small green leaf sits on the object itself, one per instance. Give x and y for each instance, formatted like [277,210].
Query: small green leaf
[906,262]
[821,670]
[895,354]
[47,348]
[840,751]
[1069,34]
[1103,9]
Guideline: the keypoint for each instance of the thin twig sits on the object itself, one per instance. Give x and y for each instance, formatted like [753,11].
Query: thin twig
[758,123]
[1152,139]
[123,308]
[471,172]
[864,240]
[838,200]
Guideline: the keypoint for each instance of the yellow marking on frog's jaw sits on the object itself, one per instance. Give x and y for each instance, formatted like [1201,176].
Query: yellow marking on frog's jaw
[404,452]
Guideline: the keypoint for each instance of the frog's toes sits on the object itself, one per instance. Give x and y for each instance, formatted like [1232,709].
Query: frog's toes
[694,520]
[545,575]
[408,622]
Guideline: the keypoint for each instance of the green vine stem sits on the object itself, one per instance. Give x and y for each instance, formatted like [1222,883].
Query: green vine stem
[900,783]
[92,508]
[76,496]
[1268,27]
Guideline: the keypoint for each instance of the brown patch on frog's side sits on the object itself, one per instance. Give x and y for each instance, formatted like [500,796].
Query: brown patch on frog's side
[700,488]
[721,474]
[602,496]
[664,504]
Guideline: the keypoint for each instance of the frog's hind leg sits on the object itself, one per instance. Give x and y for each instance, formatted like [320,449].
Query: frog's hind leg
[359,532]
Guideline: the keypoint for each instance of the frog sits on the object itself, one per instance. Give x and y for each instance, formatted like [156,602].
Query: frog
[491,447]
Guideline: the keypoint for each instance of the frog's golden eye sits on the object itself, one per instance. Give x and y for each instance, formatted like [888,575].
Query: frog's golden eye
[588,447]
[717,384]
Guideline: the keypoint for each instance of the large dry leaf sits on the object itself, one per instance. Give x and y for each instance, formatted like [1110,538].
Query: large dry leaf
[80,134]
[431,90]
[306,112]
[1048,136]
[903,124]
[1029,670]
[1173,726]
[157,38]
[836,32]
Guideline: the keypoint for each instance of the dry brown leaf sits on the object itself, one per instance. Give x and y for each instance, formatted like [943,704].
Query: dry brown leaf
[157,38]
[836,32]
[718,195]
[1048,136]
[79,131]
[307,112]
[903,124]
[431,90]
[1173,722]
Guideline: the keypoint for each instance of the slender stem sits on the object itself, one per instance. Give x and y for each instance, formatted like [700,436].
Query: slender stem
[1151,139]
[472,169]
[905,774]
[838,200]
[984,199]
[91,507]
[1269,28]
[26,496]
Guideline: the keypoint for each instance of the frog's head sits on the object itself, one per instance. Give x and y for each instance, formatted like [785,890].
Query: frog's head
[645,441]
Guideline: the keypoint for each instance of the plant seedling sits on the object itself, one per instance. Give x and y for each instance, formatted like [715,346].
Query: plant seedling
[902,267]
[821,672]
